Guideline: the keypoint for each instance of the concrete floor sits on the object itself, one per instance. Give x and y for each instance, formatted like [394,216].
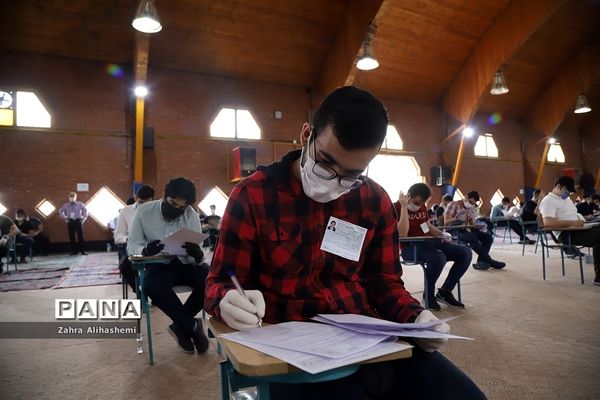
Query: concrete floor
[535,339]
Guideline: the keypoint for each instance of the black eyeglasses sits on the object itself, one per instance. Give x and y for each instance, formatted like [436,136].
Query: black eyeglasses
[327,173]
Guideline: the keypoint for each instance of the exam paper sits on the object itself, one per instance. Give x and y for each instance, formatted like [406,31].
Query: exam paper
[174,241]
[364,321]
[314,364]
[310,338]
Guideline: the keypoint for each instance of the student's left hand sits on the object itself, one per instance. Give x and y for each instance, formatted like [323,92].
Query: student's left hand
[194,250]
[431,345]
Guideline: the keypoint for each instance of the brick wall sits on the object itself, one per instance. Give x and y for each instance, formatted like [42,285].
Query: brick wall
[91,139]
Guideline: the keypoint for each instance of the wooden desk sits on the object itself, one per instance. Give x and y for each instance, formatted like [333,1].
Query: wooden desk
[450,227]
[253,363]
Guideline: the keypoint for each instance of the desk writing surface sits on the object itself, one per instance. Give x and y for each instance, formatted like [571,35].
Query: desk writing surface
[251,362]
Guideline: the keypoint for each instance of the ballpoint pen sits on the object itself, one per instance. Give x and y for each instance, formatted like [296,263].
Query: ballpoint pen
[239,288]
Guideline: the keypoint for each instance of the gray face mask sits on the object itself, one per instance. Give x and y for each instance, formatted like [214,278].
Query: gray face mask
[318,189]
[413,207]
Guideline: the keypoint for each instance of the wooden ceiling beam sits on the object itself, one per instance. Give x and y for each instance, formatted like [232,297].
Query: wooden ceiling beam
[548,111]
[507,34]
[338,67]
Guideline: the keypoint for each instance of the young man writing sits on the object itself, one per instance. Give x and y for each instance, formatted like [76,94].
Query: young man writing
[272,236]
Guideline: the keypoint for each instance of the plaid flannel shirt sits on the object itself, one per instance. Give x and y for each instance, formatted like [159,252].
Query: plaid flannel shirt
[271,235]
[458,211]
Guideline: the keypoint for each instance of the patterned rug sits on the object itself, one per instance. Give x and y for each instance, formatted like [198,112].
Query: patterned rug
[93,270]
[32,279]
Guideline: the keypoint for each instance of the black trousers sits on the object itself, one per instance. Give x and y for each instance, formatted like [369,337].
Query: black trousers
[588,238]
[159,282]
[515,226]
[41,244]
[478,241]
[74,226]
[423,376]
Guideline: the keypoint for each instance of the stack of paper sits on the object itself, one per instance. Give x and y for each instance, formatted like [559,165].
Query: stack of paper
[342,339]
[369,325]
[316,347]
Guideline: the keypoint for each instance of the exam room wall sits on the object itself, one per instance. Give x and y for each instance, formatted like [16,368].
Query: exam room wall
[92,127]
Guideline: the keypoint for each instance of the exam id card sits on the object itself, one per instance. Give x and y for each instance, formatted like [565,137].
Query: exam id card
[343,239]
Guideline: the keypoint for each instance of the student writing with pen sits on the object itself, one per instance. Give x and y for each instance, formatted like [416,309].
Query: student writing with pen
[273,238]
[153,221]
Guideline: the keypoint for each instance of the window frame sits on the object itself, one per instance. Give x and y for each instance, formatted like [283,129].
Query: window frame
[235,125]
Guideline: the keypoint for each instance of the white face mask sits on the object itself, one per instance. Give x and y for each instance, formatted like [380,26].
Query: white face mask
[468,204]
[318,189]
[412,207]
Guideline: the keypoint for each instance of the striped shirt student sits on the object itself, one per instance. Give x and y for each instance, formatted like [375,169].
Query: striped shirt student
[274,239]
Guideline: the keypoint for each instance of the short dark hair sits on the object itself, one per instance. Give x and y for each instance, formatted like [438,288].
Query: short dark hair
[20,211]
[596,197]
[473,195]
[358,119]
[130,201]
[505,200]
[145,192]
[447,198]
[537,192]
[181,187]
[420,190]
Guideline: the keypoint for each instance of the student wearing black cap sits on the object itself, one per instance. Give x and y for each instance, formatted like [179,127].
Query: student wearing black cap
[558,211]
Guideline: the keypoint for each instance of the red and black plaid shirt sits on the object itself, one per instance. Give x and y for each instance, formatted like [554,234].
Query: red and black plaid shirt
[271,236]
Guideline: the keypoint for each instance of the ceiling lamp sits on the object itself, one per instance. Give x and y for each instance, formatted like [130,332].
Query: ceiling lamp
[582,105]
[499,84]
[146,18]
[367,61]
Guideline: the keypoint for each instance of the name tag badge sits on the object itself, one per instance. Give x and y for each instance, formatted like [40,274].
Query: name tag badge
[343,239]
[425,227]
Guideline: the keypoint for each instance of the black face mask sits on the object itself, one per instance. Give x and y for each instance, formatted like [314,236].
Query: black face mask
[170,212]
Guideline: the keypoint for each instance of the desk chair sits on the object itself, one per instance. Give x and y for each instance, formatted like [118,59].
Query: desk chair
[506,229]
[423,265]
[244,367]
[543,239]
[12,253]
[525,230]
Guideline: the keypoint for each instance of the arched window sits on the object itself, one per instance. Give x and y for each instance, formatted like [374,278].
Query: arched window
[104,206]
[235,124]
[45,208]
[380,167]
[496,198]
[392,140]
[555,153]
[458,195]
[485,146]
[215,197]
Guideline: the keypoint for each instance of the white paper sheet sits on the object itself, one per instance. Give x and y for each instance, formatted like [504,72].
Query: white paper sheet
[314,364]
[310,338]
[365,321]
[174,241]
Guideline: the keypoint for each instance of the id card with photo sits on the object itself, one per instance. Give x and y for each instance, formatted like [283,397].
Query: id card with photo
[343,239]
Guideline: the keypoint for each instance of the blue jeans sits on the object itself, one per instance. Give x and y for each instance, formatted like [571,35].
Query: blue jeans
[423,376]
[435,254]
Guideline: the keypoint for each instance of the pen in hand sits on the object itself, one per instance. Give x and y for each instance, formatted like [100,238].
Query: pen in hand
[239,288]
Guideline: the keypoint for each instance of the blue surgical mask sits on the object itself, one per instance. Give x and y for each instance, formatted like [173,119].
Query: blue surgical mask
[565,195]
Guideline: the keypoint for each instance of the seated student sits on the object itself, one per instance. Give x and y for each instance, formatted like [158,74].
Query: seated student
[586,207]
[143,195]
[558,211]
[461,212]
[413,221]
[439,212]
[8,232]
[596,203]
[271,236]
[151,223]
[502,216]
[30,234]
[213,222]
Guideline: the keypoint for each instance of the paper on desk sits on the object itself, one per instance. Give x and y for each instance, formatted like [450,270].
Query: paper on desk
[309,337]
[364,321]
[422,333]
[314,364]
[174,241]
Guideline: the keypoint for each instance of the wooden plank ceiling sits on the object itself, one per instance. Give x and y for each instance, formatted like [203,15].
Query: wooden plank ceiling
[422,45]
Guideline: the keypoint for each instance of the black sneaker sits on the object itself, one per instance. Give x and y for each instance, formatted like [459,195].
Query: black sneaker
[497,264]
[597,281]
[432,304]
[526,241]
[22,260]
[446,297]
[183,341]
[199,338]
[481,265]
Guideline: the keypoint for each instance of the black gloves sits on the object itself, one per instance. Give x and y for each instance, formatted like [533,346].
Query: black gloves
[152,248]
[194,250]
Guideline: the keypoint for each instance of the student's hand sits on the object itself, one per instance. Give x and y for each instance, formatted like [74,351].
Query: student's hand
[194,250]
[152,248]
[447,237]
[403,199]
[240,313]
[431,345]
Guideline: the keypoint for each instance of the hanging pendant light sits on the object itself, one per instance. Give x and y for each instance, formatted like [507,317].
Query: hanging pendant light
[146,18]
[581,105]
[367,61]
[499,84]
